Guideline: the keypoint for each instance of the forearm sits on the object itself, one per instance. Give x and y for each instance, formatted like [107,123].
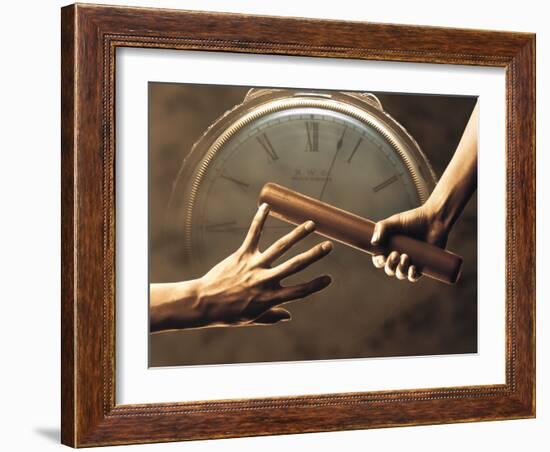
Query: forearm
[459,180]
[175,306]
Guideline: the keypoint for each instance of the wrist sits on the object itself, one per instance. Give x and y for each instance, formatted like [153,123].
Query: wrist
[175,305]
[439,212]
[438,220]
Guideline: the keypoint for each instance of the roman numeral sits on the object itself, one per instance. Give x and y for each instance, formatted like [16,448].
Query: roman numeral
[226,226]
[355,149]
[341,140]
[386,183]
[312,130]
[238,182]
[268,147]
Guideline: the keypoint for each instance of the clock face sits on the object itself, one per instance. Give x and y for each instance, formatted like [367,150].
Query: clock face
[324,149]
[321,153]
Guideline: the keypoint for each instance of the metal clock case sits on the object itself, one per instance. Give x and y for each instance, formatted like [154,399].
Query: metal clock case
[340,147]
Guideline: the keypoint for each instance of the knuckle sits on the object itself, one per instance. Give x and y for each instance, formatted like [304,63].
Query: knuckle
[298,262]
[268,275]
[415,276]
[290,236]
[286,243]
[278,248]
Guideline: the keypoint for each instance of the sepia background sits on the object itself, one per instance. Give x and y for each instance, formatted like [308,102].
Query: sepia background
[427,318]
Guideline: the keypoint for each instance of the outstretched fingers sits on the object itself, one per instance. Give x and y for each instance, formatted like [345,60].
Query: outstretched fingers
[282,245]
[301,261]
[286,294]
[255,231]
[273,315]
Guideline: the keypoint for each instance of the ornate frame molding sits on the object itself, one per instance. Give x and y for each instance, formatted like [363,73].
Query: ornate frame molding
[90,37]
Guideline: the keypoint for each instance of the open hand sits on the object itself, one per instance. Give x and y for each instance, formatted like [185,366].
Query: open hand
[244,289]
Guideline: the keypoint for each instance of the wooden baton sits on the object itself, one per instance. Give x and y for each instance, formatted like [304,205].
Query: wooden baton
[355,231]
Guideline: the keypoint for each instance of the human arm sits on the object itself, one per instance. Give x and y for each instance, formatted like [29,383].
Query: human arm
[433,221]
[243,289]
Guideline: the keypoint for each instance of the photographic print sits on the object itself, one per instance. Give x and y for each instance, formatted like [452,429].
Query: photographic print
[304,224]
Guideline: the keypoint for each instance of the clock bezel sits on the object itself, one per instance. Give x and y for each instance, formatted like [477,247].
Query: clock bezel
[259,102]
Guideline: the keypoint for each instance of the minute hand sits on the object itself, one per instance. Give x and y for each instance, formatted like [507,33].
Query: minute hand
[338,147]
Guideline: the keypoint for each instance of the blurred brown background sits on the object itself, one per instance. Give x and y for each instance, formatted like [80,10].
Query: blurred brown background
[432,318]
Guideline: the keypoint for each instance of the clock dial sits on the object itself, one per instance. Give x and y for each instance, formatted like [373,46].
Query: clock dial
[320,153]
[365,164]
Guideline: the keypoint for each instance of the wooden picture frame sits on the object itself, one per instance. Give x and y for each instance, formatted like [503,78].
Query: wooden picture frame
[90,36]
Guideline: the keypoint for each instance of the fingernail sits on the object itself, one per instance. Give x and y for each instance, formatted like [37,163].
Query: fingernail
[326,246]
[374,239]
[264,206]
[309,226]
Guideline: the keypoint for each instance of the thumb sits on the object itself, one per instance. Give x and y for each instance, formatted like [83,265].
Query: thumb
[274,315]
[383,228]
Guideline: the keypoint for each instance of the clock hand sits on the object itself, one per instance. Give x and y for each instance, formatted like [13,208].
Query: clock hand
[268,147]
[355,149]
[341,140]
[384,184]
[338,147]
